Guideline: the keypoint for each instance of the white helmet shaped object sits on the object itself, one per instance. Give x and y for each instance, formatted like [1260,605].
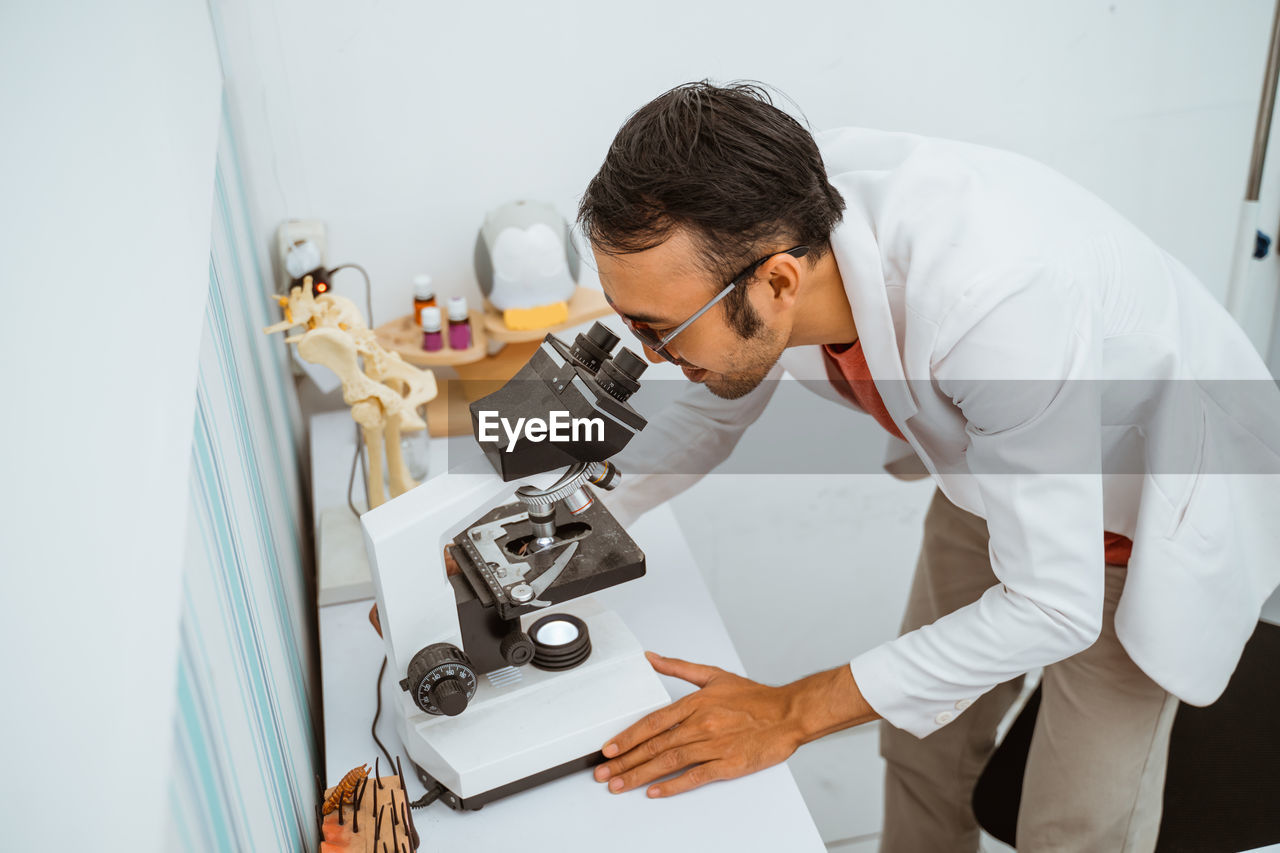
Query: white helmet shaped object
[525,257]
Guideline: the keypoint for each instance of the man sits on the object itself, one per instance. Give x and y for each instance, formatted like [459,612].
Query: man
[1051,368]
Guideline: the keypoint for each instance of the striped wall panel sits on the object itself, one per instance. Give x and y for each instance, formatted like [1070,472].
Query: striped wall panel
[247,727]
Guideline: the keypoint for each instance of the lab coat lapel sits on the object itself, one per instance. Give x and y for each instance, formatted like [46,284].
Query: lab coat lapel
[858,257]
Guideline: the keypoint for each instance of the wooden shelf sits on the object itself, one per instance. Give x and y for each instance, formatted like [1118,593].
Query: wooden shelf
[404,336]
[479,373]
[585,304]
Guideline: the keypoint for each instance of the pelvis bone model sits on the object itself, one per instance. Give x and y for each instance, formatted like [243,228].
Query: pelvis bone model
[384,392]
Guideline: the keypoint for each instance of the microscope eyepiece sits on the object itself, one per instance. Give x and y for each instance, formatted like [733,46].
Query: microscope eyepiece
[619,377]
[593,348]
[630,364]
[600,335]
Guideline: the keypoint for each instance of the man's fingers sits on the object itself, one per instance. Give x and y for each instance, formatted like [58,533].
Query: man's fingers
[646,751]
[665,763]
[694,777]
[694,673]
[659,721]
[651,726]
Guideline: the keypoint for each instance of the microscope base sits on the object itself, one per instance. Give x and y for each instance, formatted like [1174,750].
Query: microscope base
[479,801]
[529,726]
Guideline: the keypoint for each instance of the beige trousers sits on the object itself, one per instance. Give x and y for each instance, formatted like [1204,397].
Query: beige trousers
[1095,772]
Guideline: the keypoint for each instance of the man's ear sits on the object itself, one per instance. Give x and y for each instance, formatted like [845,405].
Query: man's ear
[783,274]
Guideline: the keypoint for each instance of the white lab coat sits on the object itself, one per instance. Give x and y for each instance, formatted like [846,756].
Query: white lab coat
[1055,372]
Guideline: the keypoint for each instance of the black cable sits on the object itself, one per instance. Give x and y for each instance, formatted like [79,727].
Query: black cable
[435,791]
[373,729]
[368,287]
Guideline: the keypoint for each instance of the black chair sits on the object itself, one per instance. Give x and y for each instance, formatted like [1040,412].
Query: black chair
[1222,790]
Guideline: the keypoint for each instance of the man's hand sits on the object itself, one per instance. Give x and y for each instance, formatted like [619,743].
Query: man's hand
[732,726]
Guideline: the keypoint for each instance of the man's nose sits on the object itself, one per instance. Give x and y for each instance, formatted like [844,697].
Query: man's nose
[651,355]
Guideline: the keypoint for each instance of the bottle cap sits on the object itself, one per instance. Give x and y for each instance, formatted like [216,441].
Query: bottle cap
[422,287]
[457,309]
[430,318]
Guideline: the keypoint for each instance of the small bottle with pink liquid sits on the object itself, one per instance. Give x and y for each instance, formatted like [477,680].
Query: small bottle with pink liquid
[432,337]
[459,324]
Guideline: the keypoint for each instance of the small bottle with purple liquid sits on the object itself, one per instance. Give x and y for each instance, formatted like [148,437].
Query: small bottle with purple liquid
[432,337]
[459,324]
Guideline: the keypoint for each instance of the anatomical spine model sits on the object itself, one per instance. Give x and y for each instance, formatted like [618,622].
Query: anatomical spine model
[383,391]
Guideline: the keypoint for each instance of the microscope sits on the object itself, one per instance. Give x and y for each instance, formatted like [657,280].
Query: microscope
[508,674]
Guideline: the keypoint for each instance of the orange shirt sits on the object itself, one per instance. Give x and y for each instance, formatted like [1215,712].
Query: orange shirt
[847,369]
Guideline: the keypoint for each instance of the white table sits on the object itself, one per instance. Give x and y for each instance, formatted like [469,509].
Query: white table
[671,612]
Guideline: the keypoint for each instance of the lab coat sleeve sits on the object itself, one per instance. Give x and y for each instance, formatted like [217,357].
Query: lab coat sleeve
[681,444]
[1023,373]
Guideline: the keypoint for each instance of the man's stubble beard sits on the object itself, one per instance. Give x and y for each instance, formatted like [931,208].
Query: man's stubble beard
[756,356]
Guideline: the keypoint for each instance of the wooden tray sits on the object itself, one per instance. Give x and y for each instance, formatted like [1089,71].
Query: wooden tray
[404,336]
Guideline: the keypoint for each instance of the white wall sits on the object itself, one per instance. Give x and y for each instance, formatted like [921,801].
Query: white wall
[110,115]
[401,123]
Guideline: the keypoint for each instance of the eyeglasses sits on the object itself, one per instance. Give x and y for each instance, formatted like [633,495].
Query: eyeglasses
[659,343]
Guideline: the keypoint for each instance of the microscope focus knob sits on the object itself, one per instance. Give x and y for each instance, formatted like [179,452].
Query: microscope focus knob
[441,680]
[516,648]
[449,696]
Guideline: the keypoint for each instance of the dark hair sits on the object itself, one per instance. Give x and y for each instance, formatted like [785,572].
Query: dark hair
[722,162]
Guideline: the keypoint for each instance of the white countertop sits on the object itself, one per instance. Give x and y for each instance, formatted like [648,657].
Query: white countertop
[670,611]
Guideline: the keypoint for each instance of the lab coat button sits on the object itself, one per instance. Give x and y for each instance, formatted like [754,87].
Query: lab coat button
[963,703]
[943,718]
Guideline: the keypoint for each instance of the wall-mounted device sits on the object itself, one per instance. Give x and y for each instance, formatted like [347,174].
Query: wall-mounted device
[301,249]
[508,675]
[291,253]
[303,242]
[305,262]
